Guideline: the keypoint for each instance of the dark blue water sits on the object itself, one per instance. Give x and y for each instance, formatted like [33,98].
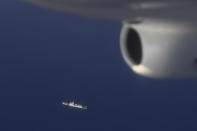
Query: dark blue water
[48,57]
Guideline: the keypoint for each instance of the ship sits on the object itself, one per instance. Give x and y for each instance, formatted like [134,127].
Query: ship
[74,105]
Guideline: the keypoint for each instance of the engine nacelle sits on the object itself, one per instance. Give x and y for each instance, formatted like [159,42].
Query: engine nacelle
[160,50]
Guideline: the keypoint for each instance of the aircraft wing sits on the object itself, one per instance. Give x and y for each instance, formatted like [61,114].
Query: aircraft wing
[158,37]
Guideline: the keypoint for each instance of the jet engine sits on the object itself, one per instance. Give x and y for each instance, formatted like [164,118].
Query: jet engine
[160,49]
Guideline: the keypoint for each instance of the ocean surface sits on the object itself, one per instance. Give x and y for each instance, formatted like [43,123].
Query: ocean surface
[48,57]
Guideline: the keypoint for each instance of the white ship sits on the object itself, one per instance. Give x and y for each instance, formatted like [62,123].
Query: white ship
[73,105]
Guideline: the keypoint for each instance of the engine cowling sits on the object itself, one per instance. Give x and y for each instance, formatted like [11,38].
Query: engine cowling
[160,50]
